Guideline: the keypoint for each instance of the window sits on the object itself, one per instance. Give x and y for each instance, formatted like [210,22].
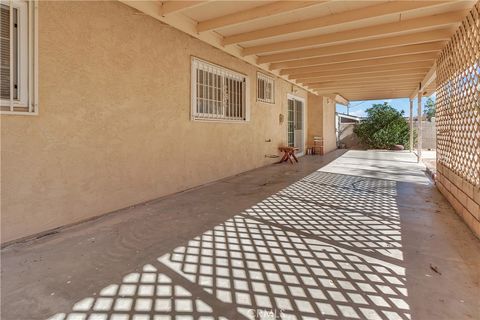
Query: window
[265,88]
[17,57]
[218,93]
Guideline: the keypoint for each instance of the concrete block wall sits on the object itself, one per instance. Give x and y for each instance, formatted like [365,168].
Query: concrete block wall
[462,195]
[429,134]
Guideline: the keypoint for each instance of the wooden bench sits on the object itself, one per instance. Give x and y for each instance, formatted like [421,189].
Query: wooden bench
[288,154]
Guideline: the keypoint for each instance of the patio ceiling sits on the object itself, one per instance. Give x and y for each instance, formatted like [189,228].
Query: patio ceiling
[357,49]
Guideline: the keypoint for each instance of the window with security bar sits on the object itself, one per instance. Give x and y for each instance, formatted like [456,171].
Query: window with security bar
[218,93]
[265,88]
[18,57]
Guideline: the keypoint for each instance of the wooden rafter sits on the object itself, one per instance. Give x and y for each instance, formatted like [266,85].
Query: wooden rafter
[349,93]
[397,41]
[429,78]
[377,97]
[386,79]
[263,11]
[337,83]
[399,86]
[361,71]
[391,7]
[356,84]
[377,31]
[431,48]
[378,79]
[373,75]
[172,6]
[377,63]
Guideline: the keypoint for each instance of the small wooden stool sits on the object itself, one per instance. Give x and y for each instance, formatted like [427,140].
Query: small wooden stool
[317,146]
[288,154]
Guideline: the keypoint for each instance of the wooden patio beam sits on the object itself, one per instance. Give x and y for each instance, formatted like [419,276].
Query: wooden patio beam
[386,79]
[394,70]
[366,91]
[263,11]
[374,75]
[359,84]
[368,81]
[386,29]
[358,68]
[347,91]
[364,63]
[429,77]
[374,11]
[397,41]
[172,6]
[377,96]
[428,48]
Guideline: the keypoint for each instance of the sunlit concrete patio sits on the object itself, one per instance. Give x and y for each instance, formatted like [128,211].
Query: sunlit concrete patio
[355,235]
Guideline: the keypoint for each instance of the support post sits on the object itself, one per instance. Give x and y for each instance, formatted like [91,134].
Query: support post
[411,126]
[419,137]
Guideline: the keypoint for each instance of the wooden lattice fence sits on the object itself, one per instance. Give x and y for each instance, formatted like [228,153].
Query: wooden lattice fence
[458,101]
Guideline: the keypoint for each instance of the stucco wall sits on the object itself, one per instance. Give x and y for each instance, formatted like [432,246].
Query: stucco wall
[314,119]
[330,137]
[114,125]
[321,121]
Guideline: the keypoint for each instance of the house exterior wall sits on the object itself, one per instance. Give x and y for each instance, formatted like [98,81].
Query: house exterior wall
[321,121]
[330,137]
[314,118]
[114,124]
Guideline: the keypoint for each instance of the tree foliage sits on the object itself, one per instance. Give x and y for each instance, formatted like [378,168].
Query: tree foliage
[383,128]
[429,110]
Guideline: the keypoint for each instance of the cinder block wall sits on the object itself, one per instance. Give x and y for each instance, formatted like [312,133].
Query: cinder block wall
[464,197]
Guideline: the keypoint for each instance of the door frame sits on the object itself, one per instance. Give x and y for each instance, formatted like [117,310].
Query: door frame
[304,120]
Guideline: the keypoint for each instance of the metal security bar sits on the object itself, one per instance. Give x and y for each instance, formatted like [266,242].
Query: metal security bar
[265,88]
[18,57]
[217,93]
[458,101]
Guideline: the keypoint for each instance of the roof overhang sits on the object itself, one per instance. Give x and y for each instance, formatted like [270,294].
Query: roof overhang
[356,50]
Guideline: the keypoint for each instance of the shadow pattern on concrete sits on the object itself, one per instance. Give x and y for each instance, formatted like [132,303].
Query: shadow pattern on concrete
[326,247]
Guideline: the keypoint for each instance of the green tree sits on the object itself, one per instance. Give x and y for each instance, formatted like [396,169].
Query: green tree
[383,127]
[429,110]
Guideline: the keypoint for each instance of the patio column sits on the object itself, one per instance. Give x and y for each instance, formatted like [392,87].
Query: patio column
[419,120]
[411,126]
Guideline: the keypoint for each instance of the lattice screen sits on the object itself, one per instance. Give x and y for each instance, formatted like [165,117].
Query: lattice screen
[458,101]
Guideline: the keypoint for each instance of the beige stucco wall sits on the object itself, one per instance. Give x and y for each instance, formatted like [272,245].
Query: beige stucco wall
[314,118]
[114,124]
[321,121]
[330,138]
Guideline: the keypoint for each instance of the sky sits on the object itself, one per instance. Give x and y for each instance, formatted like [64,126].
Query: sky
[357,108]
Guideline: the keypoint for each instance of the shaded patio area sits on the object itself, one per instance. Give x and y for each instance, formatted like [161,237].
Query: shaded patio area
[349,235]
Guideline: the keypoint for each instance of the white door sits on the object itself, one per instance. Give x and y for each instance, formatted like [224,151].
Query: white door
[295,124]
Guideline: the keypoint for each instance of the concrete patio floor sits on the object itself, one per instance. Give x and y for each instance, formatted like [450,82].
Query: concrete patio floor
[355,235]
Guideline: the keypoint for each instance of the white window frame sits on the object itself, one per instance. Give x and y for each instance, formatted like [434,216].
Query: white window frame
[27,44]
[225,73]
[268,80]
